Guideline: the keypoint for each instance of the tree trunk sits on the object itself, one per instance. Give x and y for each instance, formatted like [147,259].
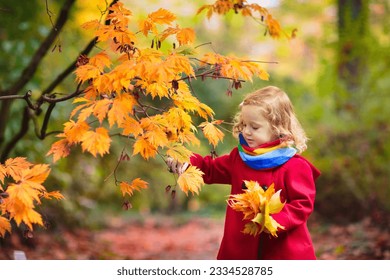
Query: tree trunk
[353,16]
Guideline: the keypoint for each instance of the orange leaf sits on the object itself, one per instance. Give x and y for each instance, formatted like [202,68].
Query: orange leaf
[131,126]
[185,36]
[211,132]
[96,142]
[162,16]
[274,28]
[136,185]
[101,108]
[144,148]
[121,107]
[178,152]
[59,149]
[86,72]
[145,26]
[36,175]
[74,131]
[23,195]
[100,60]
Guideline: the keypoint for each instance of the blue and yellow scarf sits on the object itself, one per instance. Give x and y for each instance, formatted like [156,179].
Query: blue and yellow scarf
[265,156]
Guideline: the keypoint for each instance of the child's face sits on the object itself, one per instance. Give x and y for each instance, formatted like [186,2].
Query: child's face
[256,129]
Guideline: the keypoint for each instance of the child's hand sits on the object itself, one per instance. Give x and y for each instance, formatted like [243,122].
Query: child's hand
[176,167]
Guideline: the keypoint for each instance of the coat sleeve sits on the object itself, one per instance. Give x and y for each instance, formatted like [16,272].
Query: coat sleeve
[216,170]
[299,183]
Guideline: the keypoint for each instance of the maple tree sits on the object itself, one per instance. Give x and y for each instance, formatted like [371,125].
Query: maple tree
[138,88]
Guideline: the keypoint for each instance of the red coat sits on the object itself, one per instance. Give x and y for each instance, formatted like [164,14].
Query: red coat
[296,179]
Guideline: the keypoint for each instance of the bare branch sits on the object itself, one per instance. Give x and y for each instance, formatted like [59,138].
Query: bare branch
[23,130]
[42,50]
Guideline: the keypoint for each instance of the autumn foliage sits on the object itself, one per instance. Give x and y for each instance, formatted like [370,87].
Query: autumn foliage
[24,189]
[257,205]
[137,86]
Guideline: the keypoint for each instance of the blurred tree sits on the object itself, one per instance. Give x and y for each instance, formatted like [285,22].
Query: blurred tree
[353,28]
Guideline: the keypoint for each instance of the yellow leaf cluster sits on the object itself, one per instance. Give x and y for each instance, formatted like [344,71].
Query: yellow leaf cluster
[257,206]
[161,16]
[254,10]
[24,190]
[235,68]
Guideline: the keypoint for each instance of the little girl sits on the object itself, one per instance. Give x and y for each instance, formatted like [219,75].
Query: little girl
[270,141]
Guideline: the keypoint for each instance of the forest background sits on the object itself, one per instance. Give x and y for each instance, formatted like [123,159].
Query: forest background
[336,71]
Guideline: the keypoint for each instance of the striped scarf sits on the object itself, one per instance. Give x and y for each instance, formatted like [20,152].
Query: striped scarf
[265,156]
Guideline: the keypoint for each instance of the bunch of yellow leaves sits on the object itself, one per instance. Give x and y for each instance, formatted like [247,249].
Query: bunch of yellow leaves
[257,205]
[21,190]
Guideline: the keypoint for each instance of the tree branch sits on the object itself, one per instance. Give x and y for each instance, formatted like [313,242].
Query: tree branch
[23,130]
[29,71]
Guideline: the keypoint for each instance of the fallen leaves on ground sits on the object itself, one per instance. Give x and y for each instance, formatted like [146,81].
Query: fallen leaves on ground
[166,237]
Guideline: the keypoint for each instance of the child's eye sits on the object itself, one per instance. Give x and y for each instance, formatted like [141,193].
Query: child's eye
[255,127]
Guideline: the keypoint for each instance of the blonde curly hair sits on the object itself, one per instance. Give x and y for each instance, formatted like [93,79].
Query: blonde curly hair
[279,111]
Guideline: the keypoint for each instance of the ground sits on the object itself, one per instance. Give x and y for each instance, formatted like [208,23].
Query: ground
[162,237]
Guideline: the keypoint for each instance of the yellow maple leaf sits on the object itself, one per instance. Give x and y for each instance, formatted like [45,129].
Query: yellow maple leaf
[15,167]
[178,152]
[119,9]
[96,142]
[146,25]
[24,193]
[185,36]
[36,175]
[191,180]
[103,83]
[211,132]
[274,28]
[74,131]
[178,63]
[158,89]
[100,60]
[121,107]
[86,72]
[157,137]
[131,126]
[188,136]
[162,16]
[178,120]
[28,216]
[5,226]
[143,147]
[136,185]
[101,109]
